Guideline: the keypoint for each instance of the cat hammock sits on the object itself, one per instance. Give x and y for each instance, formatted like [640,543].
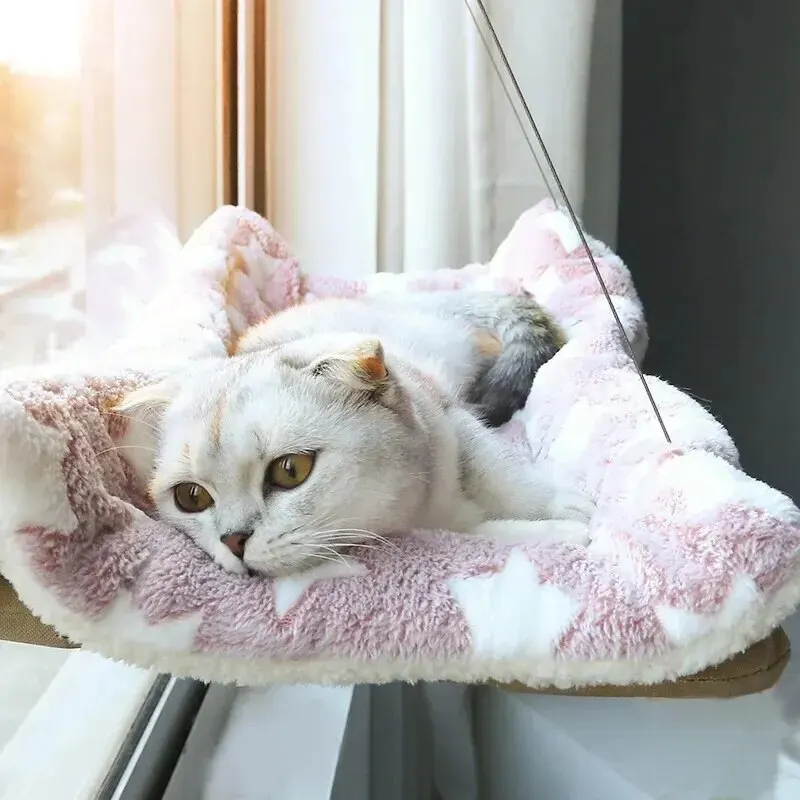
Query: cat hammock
[691,561]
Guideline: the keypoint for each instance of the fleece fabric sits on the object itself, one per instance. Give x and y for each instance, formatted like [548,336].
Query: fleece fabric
[690,560]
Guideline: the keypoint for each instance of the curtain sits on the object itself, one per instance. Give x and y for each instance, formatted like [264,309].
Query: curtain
[391,145]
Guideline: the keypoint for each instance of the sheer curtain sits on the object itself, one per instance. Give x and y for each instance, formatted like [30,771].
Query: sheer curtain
[95,128]
[391,145]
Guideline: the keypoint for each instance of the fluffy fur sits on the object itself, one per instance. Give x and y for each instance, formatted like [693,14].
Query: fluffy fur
[482,347]
[376,392]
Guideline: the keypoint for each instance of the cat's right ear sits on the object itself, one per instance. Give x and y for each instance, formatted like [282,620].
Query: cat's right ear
[143,409]
[360,366]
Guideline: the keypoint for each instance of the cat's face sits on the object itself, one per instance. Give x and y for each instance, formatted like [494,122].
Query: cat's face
[273,461]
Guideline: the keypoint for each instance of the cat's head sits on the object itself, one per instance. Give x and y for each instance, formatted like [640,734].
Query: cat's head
[272,461]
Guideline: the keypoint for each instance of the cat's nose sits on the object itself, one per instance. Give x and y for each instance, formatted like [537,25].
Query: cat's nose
[235,542]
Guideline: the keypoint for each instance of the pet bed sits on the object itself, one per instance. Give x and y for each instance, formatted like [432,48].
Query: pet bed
[691,560]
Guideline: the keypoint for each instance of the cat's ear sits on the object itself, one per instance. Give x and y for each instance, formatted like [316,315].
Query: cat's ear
[360,366]
[147,402]
[143,409]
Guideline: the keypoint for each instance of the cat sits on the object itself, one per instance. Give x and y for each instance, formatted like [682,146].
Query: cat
[337,422]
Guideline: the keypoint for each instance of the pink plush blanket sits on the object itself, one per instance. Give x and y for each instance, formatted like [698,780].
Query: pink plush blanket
[691,560]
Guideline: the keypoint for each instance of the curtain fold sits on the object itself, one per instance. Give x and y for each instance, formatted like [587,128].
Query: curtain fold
[322,118]
[391,143]
[441,111]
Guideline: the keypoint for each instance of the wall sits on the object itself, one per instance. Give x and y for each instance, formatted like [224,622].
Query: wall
[600,208]
[709,200]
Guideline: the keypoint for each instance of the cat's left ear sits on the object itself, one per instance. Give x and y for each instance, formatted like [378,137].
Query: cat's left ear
[360,366]
[147,402]
[143,409]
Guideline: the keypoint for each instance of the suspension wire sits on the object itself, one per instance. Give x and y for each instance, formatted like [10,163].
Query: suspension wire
[515,110]
[553,173]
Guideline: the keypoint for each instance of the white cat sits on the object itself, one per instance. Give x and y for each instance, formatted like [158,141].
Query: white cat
[341,421]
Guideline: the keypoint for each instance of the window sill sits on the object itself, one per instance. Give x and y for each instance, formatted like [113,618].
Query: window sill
[75,727]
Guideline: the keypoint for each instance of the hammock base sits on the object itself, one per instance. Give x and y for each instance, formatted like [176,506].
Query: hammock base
[755,670]
[752,671]
[17,624]
[691,561]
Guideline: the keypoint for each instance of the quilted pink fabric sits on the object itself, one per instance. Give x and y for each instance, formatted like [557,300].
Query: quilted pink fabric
[690,561]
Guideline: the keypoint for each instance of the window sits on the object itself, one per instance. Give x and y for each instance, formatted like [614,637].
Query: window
[41,198]
[108,138]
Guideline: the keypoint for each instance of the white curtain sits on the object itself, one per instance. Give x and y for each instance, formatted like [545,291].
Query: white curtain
[392,146]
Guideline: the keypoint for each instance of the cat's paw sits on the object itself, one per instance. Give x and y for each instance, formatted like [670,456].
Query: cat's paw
[527,531]
[572,505]
[568,531]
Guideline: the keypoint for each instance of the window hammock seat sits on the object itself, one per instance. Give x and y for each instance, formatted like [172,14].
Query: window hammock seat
[691,568]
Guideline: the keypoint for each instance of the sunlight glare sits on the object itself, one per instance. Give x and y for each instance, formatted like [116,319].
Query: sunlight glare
[41,37]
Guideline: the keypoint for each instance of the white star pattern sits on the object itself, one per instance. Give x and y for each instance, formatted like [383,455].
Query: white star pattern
[170,634]
[685,626]
[287,591]
[560,224]
[511,614]
[32,490]
[545,286]
[701,480]
[576,434]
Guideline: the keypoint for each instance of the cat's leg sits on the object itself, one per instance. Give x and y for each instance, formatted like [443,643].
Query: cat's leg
[504,486]
[554,531]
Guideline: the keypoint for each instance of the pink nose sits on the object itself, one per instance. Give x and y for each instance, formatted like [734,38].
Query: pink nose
[235,542]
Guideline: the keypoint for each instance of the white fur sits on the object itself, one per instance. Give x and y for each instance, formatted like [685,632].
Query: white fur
[394,451]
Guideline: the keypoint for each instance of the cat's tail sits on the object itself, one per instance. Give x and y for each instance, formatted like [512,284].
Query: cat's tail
[529,337]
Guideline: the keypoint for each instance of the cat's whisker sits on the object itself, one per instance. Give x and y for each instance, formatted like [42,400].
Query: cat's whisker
[349,530]
[364,546]
[344,538]
[362,534]
[125,447]
[343,535]
[380,541]
[323,531]
[319,556]
[315,524]
[330,544]
[132,419]
[337,555]
[299,558]
[326,519]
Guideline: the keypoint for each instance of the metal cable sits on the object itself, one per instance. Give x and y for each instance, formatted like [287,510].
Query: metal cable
[553,173]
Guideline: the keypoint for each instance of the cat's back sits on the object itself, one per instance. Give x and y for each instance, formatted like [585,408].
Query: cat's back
[483,346]
[403,323]
[410,329]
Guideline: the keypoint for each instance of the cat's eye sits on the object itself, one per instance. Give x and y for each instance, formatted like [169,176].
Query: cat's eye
[192,498]
[289,470]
